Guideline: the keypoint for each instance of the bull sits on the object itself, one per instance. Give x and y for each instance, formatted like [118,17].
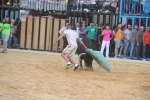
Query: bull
[82,55]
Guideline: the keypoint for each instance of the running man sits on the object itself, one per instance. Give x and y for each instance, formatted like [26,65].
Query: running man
[70,50]
[6,33]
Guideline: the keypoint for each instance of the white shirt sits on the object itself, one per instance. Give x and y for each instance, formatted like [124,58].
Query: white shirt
[127,32]
[71,36]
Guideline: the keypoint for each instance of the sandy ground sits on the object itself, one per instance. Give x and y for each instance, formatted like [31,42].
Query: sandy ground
[42,76]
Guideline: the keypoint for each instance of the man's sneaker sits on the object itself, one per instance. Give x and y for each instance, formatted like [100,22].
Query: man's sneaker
[76,68]
[68,66]
[143,59]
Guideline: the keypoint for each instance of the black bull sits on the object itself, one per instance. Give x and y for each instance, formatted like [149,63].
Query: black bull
[83,55]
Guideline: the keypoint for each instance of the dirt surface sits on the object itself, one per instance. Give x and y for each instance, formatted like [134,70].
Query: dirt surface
[37,76]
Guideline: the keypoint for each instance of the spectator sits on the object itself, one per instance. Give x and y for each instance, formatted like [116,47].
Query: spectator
[91,31]
[77,27]
[74,4]
[133,41]
[81,30]
[91,4]
[107,6]
[118,37]
[106,39]
[1,24]
[6,33]
[146,43]
[99,32]
[122,40]
[139,41]
[64,38]
[13,31]
[127,40]
[79,6]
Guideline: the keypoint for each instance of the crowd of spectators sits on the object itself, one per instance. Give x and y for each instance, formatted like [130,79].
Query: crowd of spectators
[75,5]
[13,40]
[128,6]
[128,43]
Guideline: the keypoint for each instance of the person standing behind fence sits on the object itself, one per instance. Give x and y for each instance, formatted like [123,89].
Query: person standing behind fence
[0,33]
[13,29]
[133,41]
[81,30]
[139,41]
[91,31]
[64,38]
[6,33]
[118,36]
[106,39]
[127,40]
[146,43]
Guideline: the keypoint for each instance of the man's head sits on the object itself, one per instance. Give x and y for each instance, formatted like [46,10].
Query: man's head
[141,28]
[3,20]
[107,27]
[148,28]
[7,18]
[92,24]
[129,26]
[77,24]
[83,23]
[135,26]
[119,25]
[13,21]
[68,26]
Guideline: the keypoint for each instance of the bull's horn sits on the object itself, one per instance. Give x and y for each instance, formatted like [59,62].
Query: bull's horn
[81,55]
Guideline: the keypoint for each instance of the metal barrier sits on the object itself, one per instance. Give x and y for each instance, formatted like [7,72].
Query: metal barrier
[135,12]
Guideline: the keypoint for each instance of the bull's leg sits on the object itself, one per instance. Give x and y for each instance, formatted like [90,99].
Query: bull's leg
[81,63]
[91,68]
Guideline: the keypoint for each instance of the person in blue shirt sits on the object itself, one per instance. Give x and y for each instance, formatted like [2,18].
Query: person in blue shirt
[81,30]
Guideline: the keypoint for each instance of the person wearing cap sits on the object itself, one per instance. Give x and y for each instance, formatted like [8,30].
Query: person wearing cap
[64,38]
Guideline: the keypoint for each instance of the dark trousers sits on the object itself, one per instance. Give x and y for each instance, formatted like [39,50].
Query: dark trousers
[146,50]
[65,42]
[139,50]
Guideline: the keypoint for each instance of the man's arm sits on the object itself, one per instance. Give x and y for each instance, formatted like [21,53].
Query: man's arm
[62,30]
[60,37]
[137,42]
[143,39]
[81,43]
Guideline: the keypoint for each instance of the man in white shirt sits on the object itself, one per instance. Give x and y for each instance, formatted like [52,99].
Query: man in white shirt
[127,40]
[64,38]
[70,50]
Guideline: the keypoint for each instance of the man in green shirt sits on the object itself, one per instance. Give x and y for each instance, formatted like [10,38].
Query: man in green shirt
[6,33]
[91,30]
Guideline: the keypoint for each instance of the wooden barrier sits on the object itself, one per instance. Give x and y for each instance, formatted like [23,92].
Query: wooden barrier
[40,33]
[55,33]
[49,34]
[29,32]
[22,36]
[35,34]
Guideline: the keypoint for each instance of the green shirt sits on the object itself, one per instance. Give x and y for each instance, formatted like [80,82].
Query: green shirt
[91,31]
[6,26]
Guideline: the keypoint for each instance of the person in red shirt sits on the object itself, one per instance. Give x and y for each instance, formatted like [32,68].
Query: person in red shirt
[146,43]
